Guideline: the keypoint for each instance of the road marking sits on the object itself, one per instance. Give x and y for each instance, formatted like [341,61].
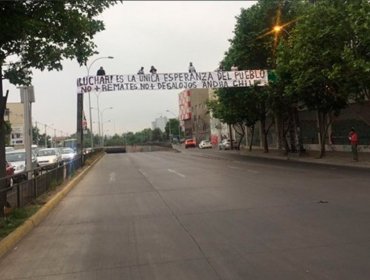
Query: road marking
[112,177]
[143,173]
[177,173]
[248,170]
[234,167]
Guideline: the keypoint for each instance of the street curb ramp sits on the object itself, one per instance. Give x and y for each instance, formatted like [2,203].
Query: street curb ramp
[18,234]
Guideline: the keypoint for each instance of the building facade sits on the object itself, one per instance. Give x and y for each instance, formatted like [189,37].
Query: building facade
[14,114]
[160,123]
[194,115]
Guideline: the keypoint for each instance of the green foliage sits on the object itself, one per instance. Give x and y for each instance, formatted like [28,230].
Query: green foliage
[173,126]
[40,34]
[115,140]
[157,135]
[16,218]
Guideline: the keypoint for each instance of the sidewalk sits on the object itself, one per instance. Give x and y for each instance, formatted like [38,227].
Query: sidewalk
[331,157]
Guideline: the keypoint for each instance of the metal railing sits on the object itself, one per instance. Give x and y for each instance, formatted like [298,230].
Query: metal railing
[45,179]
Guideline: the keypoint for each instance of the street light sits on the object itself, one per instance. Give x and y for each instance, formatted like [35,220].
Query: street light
[279,28]
[102,128]
[178,118]
[46,137]
[88,74]
[102,112]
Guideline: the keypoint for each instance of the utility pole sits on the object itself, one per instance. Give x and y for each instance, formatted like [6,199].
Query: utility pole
[27,96]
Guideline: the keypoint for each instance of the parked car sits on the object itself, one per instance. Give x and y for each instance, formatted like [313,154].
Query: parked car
[49,158]
[9,172]
[190,143]
[17,159]
[205,144]
[8,149]
[225,144]
[68,154]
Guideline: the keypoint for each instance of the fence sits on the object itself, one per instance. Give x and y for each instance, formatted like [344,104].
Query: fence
[27,191]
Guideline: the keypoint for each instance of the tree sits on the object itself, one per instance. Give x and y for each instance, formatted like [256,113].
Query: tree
[172,126]
[254,47]
[327,57]
[40,35]
[157,135]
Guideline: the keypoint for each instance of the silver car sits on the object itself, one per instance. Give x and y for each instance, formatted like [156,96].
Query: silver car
[49,158]
[17,159]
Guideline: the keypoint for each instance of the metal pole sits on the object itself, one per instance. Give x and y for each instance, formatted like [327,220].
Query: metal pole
[99,123]
[90,115]
[46,140]
[25,92]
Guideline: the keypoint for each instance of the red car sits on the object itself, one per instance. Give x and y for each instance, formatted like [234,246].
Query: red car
[190,143]
[9,172]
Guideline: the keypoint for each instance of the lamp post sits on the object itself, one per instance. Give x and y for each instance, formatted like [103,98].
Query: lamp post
[102,114]
[178,118]
[88,74]
[102,128]
[46,137]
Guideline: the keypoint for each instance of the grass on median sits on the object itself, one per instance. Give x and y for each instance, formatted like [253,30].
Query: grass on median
[17,217]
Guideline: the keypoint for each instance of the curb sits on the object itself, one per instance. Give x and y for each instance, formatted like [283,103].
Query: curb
[13,238]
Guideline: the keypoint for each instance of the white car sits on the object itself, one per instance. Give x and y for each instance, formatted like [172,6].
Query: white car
[226,145]
[205,144]
[49,158]
[68,154]
[17,158]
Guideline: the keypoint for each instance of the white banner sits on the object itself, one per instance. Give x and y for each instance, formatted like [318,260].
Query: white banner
[170,81]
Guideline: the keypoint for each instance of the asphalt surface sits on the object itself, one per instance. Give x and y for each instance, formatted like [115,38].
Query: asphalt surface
[202,215]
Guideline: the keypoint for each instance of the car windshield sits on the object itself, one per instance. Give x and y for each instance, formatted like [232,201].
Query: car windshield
[67,151]
[42,153]
[12,157]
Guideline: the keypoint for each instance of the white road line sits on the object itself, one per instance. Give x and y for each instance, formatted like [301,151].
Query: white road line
[233,167]
[112,177]
[177,173]
[143,173]
[240,168]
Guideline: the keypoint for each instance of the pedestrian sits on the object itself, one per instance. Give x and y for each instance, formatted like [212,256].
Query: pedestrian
[192,68]
[141,71]
[101,71]
[353,138]
[153,70]
[234,68]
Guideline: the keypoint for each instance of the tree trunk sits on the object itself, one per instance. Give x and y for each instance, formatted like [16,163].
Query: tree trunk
[252,136]
[292,132]
[280,131]
[264,135]
[322,131]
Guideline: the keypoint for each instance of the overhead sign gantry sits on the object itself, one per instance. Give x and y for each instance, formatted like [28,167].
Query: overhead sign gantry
[171,81]
[164,81]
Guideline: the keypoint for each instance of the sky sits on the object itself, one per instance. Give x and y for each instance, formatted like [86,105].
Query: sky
[166,34]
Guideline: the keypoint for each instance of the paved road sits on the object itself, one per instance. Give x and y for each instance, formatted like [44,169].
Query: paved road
[188,215]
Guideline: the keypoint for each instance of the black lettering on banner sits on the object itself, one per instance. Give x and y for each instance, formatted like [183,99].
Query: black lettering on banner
[251,74]
[223,76]
[155,78]
[120,79]
[131,79]
[133,86]
[144,86]
[152,86]
[186,77]
[85,89]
